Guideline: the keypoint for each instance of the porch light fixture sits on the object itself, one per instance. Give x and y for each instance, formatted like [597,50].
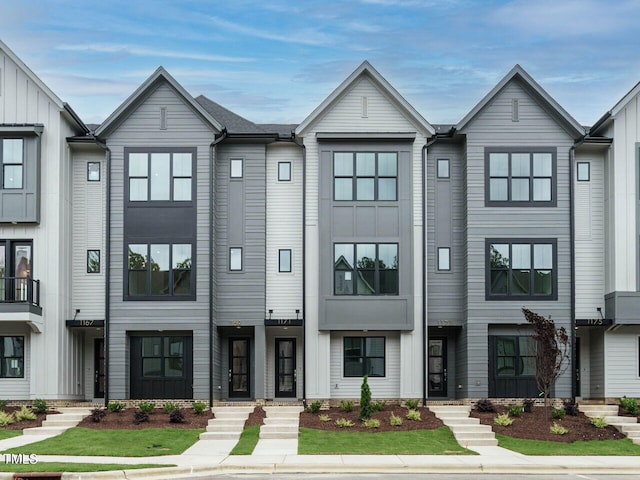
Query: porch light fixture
[270,313]
[297,313]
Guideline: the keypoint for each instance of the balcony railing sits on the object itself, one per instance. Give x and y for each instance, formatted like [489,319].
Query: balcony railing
[19,290]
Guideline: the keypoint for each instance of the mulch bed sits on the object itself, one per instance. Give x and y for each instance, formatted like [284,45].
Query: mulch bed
[16,425]
[428,420]
[157,419]
[535,426]
[256,417]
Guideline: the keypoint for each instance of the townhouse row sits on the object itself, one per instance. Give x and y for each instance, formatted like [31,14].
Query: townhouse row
[178,250]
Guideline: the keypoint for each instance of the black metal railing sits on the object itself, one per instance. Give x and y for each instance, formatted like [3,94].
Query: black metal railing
[19,290]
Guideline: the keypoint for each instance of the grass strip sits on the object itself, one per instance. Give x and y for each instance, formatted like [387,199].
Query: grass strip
[149,442]
[247,442]
[4,434]
[593,447]
[73,467]
[414,442]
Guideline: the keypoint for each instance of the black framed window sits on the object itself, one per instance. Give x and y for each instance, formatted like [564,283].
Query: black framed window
[93,171]
[583,171]
[520,177]
[284,261]
[159,270]
[235,259]
[521,269]
[364,356]
[365,176]
[12,357]
[365,269]
[443,166]
[160,176]
[163,356]
[284,171]
[515,356]
[93,261]
[444,259]
[12,154]
[236,168]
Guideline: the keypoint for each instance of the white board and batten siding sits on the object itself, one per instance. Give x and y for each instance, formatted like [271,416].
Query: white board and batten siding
[589,238]
[347,114]
[284,231]
[381,387]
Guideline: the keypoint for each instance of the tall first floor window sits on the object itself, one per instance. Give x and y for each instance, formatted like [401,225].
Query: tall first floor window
[11,357]
[364,356]
[515,356]
[519,269]
[365,269]
[159,270]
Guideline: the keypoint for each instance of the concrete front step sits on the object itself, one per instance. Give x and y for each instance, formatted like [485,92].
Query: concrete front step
[478,442]
[278,435]
[598,410]
[220,436]
[224,428]
[281,420]
[232,413]
[469,428]
[228,422]
[474,435]
[620,420]
[44,430]
[629,428]
[279,428]
[450,409]
[448,421]
[59,423]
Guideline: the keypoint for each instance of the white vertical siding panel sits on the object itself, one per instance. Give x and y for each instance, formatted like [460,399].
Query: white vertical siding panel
[622,357]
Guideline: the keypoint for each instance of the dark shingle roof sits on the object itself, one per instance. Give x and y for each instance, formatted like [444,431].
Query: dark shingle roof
[232,122]
[284,130]
[92,126]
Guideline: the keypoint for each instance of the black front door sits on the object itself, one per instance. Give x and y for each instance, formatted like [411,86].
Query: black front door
[98,378]
[578,387]
[239,385]
[437,367]
[285,367]
[162,366]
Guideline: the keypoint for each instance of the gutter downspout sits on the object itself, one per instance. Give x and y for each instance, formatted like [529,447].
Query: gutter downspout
[424,268]
[304,269]
[572,242]
[212,170]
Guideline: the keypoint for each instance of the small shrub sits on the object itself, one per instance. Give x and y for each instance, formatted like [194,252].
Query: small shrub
[515,410]
[116,407]
[372,423]
[503,420]
[176,416]
[346,405]
[169,407]
[324,418]
[365,400]
[599,422]
[379,406]
[6,419]
[413,415]
[199,407]
[412,404]
[630,405]
[25,413]
[527,405]
[395,421]
[314,407]
[571,408]
[344,423]
[558,429]
[485,405]
[97,414]
[558,413]
[147,407]
[3,404]
[40,405]
[140,416]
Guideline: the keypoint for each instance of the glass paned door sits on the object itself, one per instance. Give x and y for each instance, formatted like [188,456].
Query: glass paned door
[3,273]
[239,367]
[22,270]
[437,367]
[285,367]
[99,383]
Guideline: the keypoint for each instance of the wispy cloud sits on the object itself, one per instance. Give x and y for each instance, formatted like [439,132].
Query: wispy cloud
[148,52]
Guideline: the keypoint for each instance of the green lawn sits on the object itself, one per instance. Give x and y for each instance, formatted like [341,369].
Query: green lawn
[415,442]
[594,447]
[4,434]
[247,442]
[115,443]
[72,467]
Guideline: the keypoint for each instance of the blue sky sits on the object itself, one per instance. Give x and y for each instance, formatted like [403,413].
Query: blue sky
[275,61]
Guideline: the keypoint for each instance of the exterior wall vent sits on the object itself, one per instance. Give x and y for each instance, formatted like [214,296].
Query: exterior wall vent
[515,114]
[163,118]
[365,107]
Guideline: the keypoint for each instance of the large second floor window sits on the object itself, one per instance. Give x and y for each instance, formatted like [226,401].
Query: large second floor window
[365,269]
[365,176]
[160,176]
[519,269]
[520,177]
[159,270]
[12,155]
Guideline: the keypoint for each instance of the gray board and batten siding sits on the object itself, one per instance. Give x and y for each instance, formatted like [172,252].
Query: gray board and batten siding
[494,127]
[141,129]
[366,222]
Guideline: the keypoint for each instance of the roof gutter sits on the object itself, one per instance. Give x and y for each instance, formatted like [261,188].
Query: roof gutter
[212,170]
[75,117]
[600,122]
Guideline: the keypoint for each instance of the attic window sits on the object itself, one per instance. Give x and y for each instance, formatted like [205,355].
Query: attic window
[365,107]
[163,118]
[515,114]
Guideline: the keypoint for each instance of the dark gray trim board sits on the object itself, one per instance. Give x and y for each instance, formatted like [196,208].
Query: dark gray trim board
[623,307]
[378,137]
